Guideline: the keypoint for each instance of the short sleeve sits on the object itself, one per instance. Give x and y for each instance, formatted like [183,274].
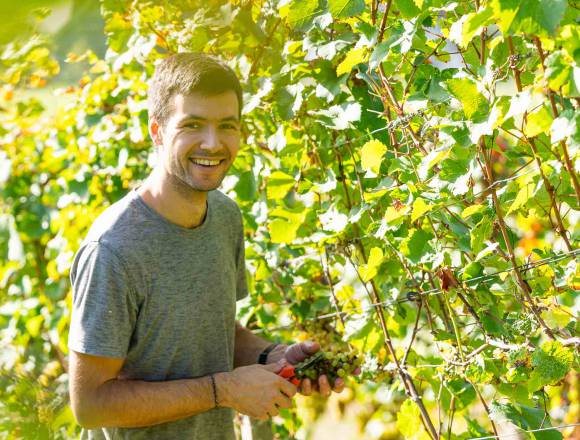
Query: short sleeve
[241,284]
[104,307]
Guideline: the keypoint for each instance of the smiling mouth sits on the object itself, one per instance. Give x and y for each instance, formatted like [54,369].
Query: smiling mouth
[207,163]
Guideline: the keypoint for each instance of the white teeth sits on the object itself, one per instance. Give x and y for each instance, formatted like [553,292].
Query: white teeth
[206,162]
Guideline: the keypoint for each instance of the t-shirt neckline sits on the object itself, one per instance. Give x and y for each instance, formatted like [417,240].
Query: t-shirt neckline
[182,230]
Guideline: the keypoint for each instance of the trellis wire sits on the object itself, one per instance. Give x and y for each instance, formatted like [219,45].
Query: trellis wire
[483,278]
[524,430]
[432,292]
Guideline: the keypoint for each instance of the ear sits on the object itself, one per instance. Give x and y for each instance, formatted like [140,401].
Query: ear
[155,131]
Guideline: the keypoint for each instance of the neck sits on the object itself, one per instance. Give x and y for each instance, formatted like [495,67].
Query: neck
[174,200]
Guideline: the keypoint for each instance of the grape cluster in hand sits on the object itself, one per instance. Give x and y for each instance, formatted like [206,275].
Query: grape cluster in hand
[333,365]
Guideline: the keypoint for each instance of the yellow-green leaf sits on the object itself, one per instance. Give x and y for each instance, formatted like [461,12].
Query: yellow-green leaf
[420,208]
[557,318]
[353,57]
[282,231]
[33,325]
[279,184]
[372,155]
[408,422]
[471,210]
[369,271]
[394,216]
[466,92]
[538,122]
[522,197]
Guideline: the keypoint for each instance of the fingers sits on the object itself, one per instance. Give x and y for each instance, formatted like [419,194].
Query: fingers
[283,402]
[288,388]
[338,385]
[298,352]
[306,387]
[324,386]
[275,367]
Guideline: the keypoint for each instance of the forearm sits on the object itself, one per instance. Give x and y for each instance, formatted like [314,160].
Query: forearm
[248,347]
[136,403]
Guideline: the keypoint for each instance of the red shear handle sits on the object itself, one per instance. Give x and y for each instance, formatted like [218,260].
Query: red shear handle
[287,372]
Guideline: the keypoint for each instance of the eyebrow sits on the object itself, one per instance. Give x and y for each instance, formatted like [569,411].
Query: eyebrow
[201,118]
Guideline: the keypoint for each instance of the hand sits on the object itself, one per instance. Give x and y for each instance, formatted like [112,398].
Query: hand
[295,354]
[256,390]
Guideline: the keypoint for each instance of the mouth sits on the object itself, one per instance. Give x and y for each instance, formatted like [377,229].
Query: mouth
[207,163]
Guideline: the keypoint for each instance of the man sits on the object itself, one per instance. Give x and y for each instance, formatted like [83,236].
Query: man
[155,351]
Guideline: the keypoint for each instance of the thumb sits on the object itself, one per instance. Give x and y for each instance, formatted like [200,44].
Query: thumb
[274,367]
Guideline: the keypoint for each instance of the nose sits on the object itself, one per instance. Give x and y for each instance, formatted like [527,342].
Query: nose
[210,141]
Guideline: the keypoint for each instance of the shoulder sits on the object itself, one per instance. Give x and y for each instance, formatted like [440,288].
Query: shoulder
[115,225]
[224,205]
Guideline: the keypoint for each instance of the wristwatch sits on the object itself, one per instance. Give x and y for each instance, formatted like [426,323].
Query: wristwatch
[263,358]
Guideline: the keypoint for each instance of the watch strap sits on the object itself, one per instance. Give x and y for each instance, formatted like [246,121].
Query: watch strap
[263,358]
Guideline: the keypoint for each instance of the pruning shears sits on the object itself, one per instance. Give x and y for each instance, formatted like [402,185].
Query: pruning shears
[294,372]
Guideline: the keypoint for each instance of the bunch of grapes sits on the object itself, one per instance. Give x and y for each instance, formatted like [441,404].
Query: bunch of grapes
[323,332]
[332,364]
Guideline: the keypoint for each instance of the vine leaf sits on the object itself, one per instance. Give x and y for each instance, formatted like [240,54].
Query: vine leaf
[551,362]
[345,8]
[353,57]
[529,16]
[524,417]
[524,194]
[279,183]
[301,13]
[472,210]
[408,8]
[466,92]
[414,245]
[447,278]
[408,421]
[420,208]
[369,271]
[480,234]
[372,155]
[282,231]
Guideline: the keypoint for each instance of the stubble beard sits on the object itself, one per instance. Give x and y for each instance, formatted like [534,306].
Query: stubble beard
[185,185]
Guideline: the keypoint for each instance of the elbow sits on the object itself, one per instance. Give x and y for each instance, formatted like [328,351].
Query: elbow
[85,414]
[84,418]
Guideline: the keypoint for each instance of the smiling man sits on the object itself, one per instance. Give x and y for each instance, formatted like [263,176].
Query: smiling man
[155,351]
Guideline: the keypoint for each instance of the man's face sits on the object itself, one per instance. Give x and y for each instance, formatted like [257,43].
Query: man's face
[200,139]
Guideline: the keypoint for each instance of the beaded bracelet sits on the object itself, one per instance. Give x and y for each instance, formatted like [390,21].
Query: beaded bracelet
[215,399]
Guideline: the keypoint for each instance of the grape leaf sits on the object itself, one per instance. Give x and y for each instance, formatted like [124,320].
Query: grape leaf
[369,271]
[529,16]
[279,183]
[372,155]
[353,57]
[466,92]
[551,362]
[302,12]
[407,419]
[345,8]
[420,208]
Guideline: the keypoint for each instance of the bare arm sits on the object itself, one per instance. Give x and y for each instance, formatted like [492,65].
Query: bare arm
[248,347]
[99,397]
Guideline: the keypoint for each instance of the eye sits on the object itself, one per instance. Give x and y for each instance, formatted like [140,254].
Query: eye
[229,126]
[192,124]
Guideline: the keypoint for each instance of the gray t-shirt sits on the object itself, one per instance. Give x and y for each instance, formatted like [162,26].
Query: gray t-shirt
[163,298]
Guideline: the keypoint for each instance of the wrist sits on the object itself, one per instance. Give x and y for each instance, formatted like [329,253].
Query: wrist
[222,384]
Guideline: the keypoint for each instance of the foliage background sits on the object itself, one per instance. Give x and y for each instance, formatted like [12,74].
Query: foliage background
[409,178]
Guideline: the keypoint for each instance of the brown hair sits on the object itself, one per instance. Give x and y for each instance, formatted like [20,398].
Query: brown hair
[186,73]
